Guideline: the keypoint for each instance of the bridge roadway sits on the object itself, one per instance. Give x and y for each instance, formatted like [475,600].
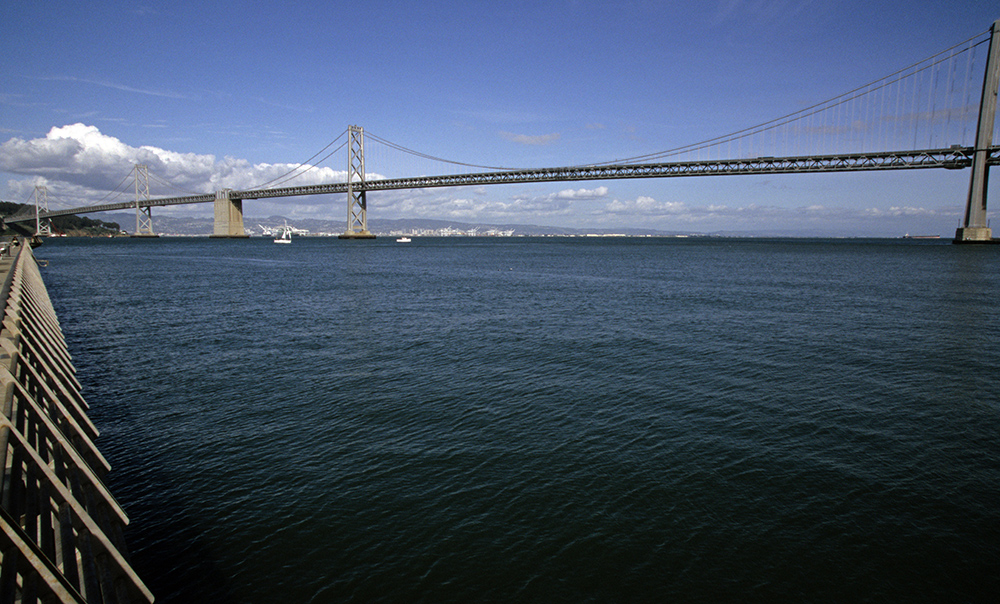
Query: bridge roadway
[951,158]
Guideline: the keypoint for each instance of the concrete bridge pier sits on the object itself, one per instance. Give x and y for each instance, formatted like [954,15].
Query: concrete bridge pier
[976,228]
[228,216]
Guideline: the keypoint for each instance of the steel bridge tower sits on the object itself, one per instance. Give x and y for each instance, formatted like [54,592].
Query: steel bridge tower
[357,204]
[43,228]
[143,214]
[976,229]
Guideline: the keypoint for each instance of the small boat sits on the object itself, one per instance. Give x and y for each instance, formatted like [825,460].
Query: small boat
[285,236]
[403,240]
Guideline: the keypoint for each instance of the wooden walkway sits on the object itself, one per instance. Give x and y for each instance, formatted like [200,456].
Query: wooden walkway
[60,528]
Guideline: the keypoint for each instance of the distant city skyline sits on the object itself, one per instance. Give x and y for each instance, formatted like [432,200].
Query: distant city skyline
[222,96]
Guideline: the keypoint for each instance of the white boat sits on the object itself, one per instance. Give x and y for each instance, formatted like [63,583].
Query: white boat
[403,240]
[285,236]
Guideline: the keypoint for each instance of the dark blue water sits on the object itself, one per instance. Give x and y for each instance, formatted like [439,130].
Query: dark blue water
[545,420]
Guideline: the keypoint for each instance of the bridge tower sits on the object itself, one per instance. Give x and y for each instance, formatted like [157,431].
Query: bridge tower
[976,229]
[43,228]
[143,214]
[357,204]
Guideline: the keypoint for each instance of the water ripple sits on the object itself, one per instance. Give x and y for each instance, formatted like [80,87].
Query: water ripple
[545,420]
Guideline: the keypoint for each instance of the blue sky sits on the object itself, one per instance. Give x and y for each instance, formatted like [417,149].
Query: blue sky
[225,93]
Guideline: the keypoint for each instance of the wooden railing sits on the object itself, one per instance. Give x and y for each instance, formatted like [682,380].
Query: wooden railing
[60,528]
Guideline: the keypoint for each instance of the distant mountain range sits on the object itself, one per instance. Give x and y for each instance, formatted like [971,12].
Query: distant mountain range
[186,226]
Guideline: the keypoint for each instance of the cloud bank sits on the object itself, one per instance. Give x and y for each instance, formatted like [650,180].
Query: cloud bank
[80,165]
[479,205]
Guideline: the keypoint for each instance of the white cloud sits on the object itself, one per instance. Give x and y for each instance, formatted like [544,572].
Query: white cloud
[900,211]
[656,214]
[475,204]
[648,206]
[451,204]
[81,165]
[582,193]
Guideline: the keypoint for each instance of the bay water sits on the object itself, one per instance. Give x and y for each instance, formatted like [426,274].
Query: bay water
[545,419]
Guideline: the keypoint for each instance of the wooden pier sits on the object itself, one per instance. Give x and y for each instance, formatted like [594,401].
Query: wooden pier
[60,528]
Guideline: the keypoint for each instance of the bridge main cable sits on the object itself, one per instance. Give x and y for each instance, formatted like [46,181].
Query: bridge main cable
[950,158]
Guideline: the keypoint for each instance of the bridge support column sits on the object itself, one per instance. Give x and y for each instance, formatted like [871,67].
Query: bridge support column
[976,229]
[357,204]
[43,228]
[228,216]
[143,214]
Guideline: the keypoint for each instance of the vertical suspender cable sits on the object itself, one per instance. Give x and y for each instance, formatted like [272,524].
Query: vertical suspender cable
[967,96]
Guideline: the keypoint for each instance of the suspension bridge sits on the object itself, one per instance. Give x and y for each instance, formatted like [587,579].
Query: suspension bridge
[920,117]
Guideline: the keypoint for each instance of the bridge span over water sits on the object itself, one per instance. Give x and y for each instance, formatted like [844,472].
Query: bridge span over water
[978,156]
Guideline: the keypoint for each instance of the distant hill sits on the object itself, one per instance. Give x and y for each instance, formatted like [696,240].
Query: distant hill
[112,223]
[72,226]
[171,225]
